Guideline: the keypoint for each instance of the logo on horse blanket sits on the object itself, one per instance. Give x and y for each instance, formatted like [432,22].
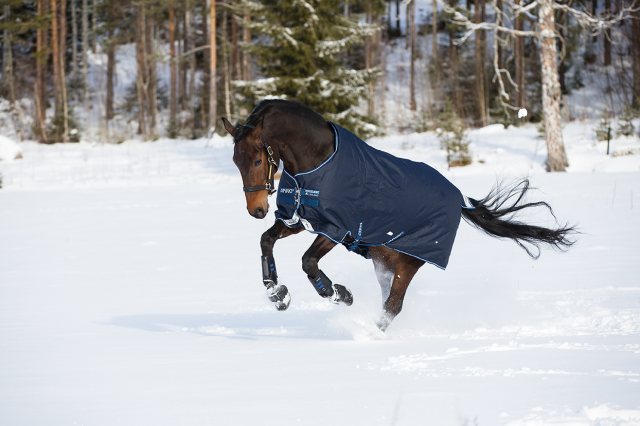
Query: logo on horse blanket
[371,198]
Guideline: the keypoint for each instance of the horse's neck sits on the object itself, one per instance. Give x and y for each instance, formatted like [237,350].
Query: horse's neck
[307,149]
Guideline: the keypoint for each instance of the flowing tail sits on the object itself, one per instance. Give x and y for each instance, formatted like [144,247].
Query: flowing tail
[495,215]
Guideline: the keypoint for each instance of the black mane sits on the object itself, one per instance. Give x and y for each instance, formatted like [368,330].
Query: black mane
[264,106]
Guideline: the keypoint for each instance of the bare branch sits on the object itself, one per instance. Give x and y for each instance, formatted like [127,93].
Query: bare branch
[525,10]
[598,25]
[471,27]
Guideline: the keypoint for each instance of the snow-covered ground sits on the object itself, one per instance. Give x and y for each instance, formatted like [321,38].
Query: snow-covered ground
[130,294]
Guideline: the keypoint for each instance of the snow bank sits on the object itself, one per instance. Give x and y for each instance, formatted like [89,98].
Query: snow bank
[9,149]
[130,293]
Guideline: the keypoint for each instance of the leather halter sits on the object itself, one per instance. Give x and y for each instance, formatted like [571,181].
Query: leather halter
[269,184]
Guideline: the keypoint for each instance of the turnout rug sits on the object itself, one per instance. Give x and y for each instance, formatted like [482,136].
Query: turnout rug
[362,197]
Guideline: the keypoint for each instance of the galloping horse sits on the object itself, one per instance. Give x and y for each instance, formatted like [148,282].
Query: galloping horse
[399,213]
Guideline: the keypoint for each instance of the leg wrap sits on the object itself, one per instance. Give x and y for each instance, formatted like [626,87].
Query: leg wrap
[269,274]
[322,284]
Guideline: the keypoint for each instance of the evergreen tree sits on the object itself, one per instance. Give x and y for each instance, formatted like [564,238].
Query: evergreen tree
[453,138]
[302,52]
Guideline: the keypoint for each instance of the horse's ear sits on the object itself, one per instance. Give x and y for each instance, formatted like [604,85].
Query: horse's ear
[228,126]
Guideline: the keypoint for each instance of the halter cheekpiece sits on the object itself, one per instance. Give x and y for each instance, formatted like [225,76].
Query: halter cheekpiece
[269,184]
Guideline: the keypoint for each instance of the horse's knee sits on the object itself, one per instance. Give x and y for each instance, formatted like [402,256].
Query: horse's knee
[310,265]
[267,241]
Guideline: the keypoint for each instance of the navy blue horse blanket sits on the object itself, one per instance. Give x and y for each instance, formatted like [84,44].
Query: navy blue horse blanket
[362,197]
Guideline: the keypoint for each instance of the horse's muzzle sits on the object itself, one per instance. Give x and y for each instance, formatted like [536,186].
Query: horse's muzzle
[258,213]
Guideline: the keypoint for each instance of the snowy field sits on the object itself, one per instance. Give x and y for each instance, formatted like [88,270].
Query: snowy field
[130,294]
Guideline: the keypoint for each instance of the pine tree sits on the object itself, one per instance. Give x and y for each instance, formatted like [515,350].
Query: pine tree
[302,52]
[603,131]
[452,135]
[625,122]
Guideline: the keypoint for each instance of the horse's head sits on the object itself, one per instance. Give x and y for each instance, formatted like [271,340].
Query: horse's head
[257,166]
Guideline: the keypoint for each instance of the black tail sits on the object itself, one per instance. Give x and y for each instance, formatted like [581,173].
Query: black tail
[495,215]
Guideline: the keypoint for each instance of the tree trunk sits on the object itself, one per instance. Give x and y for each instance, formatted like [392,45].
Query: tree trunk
[389,25]
[635,51]
[204,102]
[556,155]
[368,62]
[74,39]
[7,59]
[235,50]
[606,35]
[56,57]
[434,50]
[94,26]
[63,78]
[173,79]
[85,49]
[213,93]
[152,78]
[246,40]
[226,68]
[499,52]
[411,13]
[191,89]
[182,65]
[397,18]
[594,12]
[57,43]
[562,66]
[521,94]
[41,63]
[111,62]
[453,77]
[141,70]
[481,97]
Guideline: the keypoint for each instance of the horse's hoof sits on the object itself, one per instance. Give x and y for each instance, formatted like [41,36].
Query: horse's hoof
[341,294]
[279,296]
[384,322]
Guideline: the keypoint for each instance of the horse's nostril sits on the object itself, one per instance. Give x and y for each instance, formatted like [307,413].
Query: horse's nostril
[259,213]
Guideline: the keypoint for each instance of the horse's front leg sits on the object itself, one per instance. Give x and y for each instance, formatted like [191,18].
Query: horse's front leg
[277,293]
[322,283]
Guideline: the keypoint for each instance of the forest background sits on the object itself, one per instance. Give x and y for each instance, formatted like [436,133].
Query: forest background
[110,71]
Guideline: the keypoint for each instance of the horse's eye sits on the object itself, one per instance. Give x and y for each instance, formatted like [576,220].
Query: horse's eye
[258,162]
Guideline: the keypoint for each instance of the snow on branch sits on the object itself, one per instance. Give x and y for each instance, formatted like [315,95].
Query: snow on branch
[355,35]
[471,27]
[524,10]
[598,25]
[586,20]
[312,11]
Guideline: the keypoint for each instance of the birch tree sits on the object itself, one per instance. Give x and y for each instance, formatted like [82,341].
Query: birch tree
[556,155]
[543,12]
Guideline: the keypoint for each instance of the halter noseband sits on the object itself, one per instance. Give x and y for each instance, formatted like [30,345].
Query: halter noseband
[269,185]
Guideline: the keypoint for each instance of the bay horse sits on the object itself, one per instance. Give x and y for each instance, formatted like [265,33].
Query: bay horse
[398,213]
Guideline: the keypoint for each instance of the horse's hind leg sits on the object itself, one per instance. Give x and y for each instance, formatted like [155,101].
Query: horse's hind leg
[318,279]
[404,268]
[384,265]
